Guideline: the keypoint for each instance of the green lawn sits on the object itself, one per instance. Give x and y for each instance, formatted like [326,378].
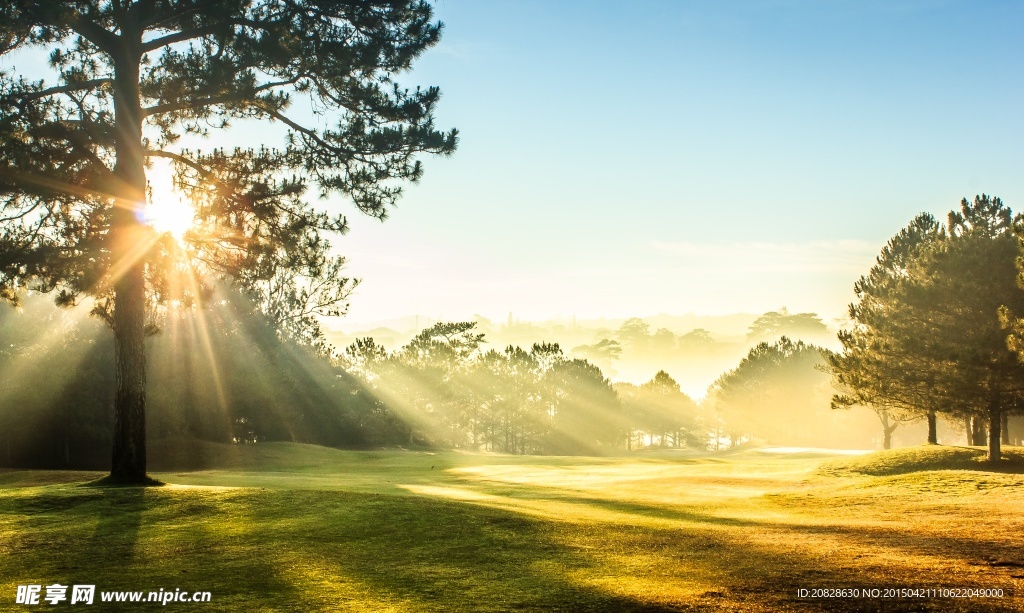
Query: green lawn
[287,527]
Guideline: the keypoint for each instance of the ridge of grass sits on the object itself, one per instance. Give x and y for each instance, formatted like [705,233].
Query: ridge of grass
[923,458]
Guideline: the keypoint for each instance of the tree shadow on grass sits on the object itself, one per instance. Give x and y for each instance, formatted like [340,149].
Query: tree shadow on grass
[140,539]
[896,536]
[416,553]
[327,551]
[745,573]
[972,549]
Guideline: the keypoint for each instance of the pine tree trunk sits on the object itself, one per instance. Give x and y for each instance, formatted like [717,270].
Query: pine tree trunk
[1005,427]
[933,435]
[191,414]
[129,461]
[977,431]
[128,250]
[887,428]
[994,427]
[969,428]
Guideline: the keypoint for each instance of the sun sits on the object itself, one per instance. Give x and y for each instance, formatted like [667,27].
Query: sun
[169,212]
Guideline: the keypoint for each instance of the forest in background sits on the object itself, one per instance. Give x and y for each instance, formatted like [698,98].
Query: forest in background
[694,349]
[222,373]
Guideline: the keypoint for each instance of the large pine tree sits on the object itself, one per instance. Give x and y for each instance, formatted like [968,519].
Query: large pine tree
[133,78]
[877,367]
[928,336]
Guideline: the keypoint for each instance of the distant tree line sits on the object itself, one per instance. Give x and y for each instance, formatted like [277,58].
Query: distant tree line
[635,342]
[450,392]
[224,373]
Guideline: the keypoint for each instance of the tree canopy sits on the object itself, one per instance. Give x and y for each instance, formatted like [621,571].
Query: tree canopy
[779,393]
[775,324]
[452,393]
[660,412]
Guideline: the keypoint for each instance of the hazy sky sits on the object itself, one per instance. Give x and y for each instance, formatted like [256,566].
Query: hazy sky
[634,158]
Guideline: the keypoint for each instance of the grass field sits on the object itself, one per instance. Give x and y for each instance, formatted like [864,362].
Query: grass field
[286,527]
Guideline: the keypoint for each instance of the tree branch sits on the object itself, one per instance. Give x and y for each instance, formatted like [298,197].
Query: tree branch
[170,107]
[310,133]
[177,157]
[25,179]
[23,214]
[183,35]
[105,41]
[61,89]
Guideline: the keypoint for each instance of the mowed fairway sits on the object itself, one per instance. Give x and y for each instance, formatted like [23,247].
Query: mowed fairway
[292,527]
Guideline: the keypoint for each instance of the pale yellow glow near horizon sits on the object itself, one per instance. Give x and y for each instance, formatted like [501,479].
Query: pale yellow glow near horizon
[406,274]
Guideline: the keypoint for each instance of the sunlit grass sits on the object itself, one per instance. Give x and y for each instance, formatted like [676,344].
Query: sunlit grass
[925,458]
[296,527]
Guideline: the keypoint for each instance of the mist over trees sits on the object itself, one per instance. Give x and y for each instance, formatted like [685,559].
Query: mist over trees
[658,413]
[776,324]
[225,373]
[781,394]
[454,393]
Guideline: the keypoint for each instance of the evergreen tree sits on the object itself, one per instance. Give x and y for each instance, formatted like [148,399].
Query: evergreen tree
[775,324]
[877,366]
[930,337]
[584,411]
[968,280]
[603,353]
[667,414]
[778,393]
[136,76]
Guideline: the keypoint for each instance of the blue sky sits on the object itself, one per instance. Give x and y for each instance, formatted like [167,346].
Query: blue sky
[626,159]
